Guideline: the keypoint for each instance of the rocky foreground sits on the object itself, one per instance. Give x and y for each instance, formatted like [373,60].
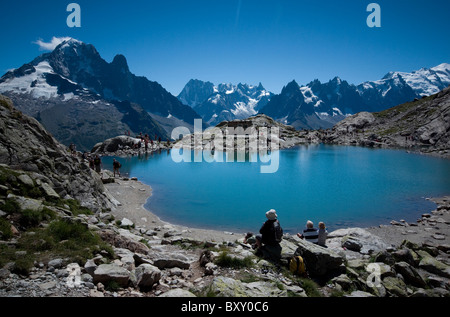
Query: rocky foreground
[150,258]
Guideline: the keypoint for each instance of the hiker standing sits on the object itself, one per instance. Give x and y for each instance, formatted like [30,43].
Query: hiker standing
[146,142]
[116,167]
[98,164]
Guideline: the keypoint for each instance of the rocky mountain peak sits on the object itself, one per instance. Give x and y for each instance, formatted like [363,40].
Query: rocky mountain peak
[291,87]
[120,62]
[225,101]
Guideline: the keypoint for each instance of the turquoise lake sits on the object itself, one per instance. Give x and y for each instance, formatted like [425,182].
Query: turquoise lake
[341,186]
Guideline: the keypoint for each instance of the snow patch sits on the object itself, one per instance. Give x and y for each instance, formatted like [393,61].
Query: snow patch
[34,84]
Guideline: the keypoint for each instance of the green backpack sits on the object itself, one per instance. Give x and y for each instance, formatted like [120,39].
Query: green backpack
[297,266]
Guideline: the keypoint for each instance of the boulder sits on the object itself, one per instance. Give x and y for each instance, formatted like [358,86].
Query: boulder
[125,223]
[167,261]
[344,281]
[410,275]
[319,261]
[351,243]
[147,275]
[56,263]
[227,287]
[359,294]
[358,121]
[114,144]
[369,242]
[27,203]
[210,268]
[177,292]
[90,267]
[26,180]
[271,253]
[49,191]
[404,255]
[385,257]
[106,273]
[124,239]
[395,286]
[432,265]
[356,264]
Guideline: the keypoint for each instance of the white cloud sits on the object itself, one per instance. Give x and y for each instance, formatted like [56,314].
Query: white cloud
[43,46]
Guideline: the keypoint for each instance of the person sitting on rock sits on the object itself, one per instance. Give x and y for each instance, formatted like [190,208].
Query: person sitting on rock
[310,234]
[268,241]
[322,235]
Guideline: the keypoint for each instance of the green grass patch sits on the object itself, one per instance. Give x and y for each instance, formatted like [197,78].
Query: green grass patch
[11,206]
[225,260]
[5,104]
[32,218]
[62,238]
[390,131]
[407,106]
[74,206]
[112,286]
[5,228]
[311,288]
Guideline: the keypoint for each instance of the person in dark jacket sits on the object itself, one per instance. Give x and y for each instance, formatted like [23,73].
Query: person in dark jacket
[268,241]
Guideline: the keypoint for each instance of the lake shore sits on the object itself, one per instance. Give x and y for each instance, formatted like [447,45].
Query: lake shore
[133,195]
[432,228]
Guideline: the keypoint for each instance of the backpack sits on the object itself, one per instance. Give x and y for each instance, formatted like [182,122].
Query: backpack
[297,266]
[278,231]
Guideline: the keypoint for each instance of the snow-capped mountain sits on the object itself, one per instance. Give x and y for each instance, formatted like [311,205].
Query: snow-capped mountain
[424,82]
[196,92]
[224,102]
[76,76]
[321,105]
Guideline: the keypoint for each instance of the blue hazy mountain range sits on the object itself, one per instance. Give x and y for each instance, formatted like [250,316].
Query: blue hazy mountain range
[315,105]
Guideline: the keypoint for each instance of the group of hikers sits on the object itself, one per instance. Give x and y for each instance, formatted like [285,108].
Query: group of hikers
[267,242]
[96,164]
[147,140]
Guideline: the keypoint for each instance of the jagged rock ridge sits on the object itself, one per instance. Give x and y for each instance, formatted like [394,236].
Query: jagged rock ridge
[322,105]
[224,102]
[423,124]
[26,145]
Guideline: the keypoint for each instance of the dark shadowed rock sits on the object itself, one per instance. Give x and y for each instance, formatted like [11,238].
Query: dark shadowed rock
[319,261]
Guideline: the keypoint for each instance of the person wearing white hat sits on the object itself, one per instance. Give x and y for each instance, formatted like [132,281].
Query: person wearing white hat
[270,235]
[271,214]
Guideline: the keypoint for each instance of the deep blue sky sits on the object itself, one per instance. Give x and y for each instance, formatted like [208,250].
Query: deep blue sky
[248,41]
